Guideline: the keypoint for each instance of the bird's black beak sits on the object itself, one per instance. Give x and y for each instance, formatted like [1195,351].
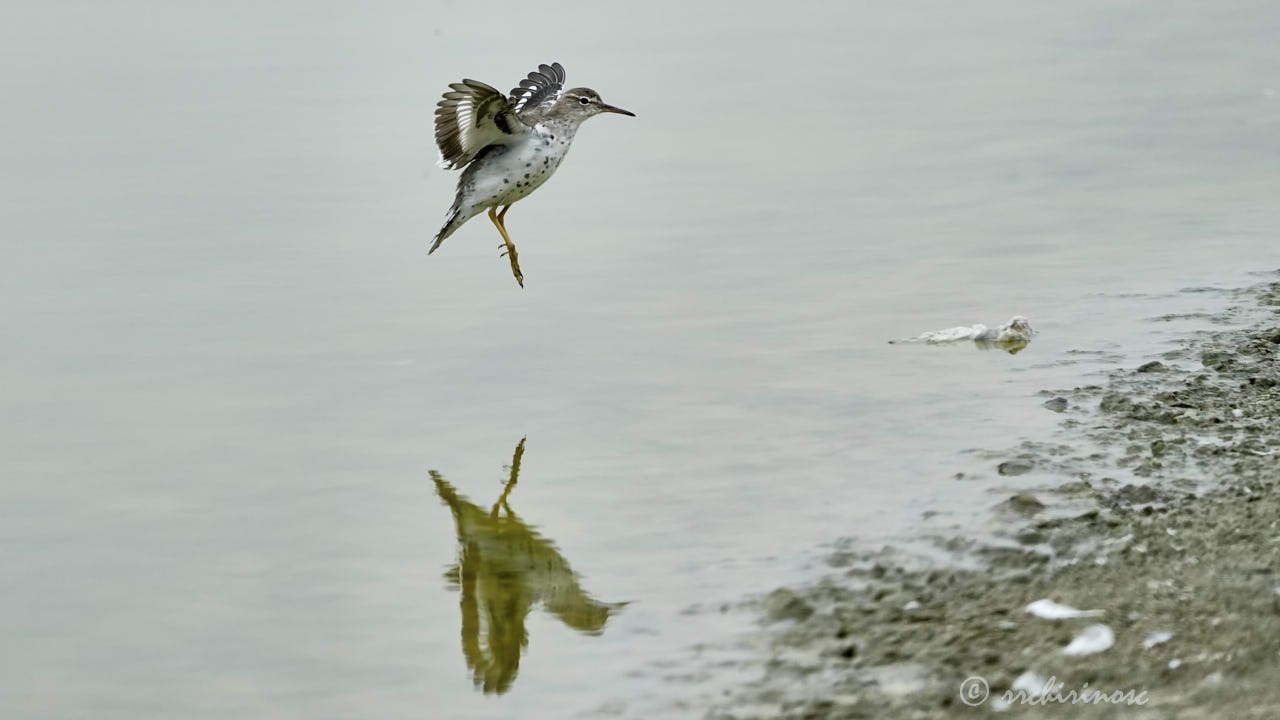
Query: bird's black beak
[612,109]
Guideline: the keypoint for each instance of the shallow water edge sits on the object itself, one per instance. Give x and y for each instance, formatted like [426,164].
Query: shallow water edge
[1176,564]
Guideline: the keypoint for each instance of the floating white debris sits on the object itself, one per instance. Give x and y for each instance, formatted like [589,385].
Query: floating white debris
[911,605]
[1012,336]
[1237,412]
[1050,610]
[1093,639]
[1157,637]
[1174,664]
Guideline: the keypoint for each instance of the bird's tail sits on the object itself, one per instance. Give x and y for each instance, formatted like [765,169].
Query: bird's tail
[453,223]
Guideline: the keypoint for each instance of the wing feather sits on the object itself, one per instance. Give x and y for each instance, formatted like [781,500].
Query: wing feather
[542,88]
[470,117]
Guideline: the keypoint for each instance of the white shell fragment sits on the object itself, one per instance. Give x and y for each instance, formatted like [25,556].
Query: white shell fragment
[1050,610]
[1157,637]
[1093,639]
[1029,683]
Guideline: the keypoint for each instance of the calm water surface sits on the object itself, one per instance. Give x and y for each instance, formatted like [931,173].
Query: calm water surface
[258,448]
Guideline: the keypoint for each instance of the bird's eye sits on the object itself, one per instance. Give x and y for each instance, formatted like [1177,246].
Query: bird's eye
[584,101]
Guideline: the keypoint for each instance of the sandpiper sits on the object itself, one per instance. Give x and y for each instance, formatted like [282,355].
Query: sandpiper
[508,145]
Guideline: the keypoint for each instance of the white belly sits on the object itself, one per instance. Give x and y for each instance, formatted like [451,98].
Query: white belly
[513,171]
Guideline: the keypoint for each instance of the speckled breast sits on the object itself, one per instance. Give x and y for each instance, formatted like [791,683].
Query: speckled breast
[525,166]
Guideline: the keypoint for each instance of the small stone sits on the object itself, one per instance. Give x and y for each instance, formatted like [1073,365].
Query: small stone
[1014,467]
[1030,536]
[1153,366]
[1076,486]
[1058,404]
[1136,494]
[784,604]
[1114,402]
[1216,359]
[1025,503]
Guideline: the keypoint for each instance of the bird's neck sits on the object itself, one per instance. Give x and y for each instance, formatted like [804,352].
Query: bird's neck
[561,128]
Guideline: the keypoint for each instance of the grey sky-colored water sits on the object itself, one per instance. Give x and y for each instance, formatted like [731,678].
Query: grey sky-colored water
[229,362]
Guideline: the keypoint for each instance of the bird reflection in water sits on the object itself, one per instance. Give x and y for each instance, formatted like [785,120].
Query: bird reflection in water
[504,568]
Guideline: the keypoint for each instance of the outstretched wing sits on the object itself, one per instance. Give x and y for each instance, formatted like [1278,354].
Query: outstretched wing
[540,89]
[471,116]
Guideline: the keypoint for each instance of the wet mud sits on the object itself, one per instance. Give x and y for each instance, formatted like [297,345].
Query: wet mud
[1157,507]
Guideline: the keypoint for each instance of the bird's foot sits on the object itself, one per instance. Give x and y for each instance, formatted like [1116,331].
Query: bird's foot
[509,252]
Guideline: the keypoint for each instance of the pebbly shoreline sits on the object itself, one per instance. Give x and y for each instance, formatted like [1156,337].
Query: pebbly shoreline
[1181,561]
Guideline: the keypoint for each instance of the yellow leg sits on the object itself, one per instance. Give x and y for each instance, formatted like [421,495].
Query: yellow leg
[511,484]
[510,252]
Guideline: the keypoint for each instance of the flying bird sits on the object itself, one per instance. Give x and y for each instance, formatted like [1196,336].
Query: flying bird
[507,146]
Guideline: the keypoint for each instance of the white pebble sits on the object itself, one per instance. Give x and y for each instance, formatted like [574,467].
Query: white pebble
[1050,610]
[1091,640]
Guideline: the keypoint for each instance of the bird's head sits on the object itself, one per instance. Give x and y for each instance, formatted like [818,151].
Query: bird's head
[582,103]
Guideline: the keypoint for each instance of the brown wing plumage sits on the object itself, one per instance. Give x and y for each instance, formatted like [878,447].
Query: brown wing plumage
[471,116]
